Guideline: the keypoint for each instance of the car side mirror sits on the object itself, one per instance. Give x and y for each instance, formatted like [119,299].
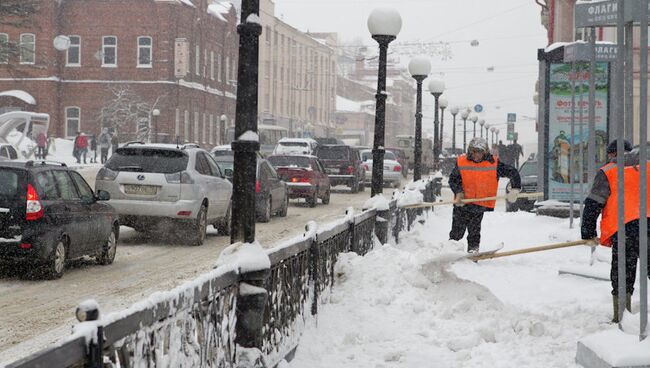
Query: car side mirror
[228,173]
[103,195]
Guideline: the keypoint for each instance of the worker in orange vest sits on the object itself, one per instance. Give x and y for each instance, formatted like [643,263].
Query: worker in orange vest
[604,198]
[476,175]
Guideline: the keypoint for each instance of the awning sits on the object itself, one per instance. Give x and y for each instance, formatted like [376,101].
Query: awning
[21,95]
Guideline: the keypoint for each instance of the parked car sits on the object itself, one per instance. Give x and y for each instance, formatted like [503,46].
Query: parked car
[401,158]
[392,168]
[225,160]
[305,177]
[343,165]
[304,146]
[155,183]
[49,215]
[407,143]
[272,194]
[328,140]
[528,173]
[8,151]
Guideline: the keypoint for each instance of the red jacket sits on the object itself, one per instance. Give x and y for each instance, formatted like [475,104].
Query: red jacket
[81,142]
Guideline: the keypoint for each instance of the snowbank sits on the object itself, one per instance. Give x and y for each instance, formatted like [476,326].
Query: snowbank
[378,202]
[248,257]
[410,197]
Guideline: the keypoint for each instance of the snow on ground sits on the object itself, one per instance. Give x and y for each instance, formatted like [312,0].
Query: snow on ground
[401,306]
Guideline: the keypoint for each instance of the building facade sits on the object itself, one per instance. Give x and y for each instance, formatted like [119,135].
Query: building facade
[297,77]
[126,59]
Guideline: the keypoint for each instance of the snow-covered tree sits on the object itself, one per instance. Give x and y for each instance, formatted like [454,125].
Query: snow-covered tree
[19,14]
[127,111]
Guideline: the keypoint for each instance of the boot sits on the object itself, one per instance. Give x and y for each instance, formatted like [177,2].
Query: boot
[628,306]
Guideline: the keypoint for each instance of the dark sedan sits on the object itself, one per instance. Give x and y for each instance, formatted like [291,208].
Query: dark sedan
[305,176]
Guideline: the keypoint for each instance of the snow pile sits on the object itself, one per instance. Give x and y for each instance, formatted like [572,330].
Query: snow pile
[220,9]
[408,306]
[417,185]
[60,150]
[618,348]
[378,202]
[253,18]
[410,197]
[247,257]
[250,136]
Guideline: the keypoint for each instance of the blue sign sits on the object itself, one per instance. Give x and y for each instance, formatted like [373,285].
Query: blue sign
[478,108]
[512,117]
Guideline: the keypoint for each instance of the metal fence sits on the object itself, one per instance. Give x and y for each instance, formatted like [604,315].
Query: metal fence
[206,321]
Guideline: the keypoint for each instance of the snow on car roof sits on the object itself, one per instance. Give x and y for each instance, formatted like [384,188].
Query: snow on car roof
[297,140]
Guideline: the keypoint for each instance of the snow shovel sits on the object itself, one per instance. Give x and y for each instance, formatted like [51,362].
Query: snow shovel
[542,248]
[443,203]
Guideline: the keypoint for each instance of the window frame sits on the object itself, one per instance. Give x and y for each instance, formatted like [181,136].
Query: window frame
[58,185]
[66,118]
[67,53]
[22,49]
[150,47]
[104,47]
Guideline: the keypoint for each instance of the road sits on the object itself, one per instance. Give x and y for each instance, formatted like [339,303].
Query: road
[36,313]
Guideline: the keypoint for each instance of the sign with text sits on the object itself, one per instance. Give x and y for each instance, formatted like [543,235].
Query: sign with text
[605,13]
[559,124]
[581,51]
[181,57]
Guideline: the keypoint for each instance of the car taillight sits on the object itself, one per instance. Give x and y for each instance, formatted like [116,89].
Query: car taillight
[366,167]
[179,178]
[34,206]
[258,186]
[397,168]
[106,174]
[350,169]
[305,179]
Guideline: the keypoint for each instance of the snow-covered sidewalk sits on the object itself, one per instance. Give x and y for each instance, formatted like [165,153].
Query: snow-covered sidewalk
[399,307]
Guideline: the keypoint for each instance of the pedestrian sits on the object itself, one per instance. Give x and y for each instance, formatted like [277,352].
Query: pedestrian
[41,144]
[80,147]
[516,151]
[504,155]
[603,198]
[476,175]
[104,144]
[114,143]
[93,147]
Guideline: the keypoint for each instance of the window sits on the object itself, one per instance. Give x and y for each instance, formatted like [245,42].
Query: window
[212,65]
[205,64]
[109,51]
[227,74]
[72,121]
[219,67]
[201,165]
[144,52]
[73,54]
[27,48]
[4,56]
[197,60]
[177,123]
[211,139]
[233,70]
[82,186]
[66,186]
[46,186]
[267,32]
[186,126]
[204,131]
[196,127]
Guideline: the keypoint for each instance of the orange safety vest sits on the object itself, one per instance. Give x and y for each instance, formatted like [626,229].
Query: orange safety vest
[479,180]
[609,221]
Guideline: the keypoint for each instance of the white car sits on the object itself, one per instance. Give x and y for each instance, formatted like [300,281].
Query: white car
[392,168]
[295,146]
[9,152]
[151,184]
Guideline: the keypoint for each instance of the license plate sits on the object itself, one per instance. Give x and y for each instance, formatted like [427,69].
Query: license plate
[332,171]
[386,168]
[140,189]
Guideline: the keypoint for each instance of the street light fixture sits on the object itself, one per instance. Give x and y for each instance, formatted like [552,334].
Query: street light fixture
[443,105]
[419,67]
[436,87]
[223,118]
[454,111]
[474,119]
[384,24]
[493,129]
[464,115]
[155,113]
[481,123]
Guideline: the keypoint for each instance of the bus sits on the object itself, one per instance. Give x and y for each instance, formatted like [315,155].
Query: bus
[407,143]
[269,135]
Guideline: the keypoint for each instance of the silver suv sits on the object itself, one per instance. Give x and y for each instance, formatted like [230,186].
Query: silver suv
[152,184]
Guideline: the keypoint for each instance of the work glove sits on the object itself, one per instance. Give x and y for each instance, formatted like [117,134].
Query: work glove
[458,199]
[592,242]
[512,195]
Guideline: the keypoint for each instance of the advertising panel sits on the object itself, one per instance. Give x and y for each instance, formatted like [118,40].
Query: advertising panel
[559,142]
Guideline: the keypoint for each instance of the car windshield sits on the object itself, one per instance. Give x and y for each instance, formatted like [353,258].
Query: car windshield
[529,168]
[160,161]
[367,155]
[222,153]
[9,182]
[334,153]
[289,161]
[388,155]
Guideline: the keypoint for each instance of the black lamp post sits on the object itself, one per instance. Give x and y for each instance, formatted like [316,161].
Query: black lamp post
[487,130]
[443,105]
[474,119]
[245,144]
[454,111]
[436,87]
[493,129]
[419,67]
[384,24]
[464,115]
[481,123]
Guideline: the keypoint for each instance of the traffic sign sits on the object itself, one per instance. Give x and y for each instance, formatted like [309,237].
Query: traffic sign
[478,108]
[512,117]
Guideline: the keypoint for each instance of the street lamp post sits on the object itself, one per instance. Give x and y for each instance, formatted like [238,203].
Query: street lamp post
[419,67]
[443,105]
[474,119]
[497,140]
[224,128]
[384,24]
[454,111]
[493,129]
[436,87]
[464,115]
[244,145]
[481,123]
[487,131]
[155,113]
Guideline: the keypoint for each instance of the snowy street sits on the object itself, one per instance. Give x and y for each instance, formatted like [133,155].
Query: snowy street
[400,306]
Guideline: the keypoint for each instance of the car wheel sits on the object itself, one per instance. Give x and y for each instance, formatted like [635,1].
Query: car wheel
[285,207]
[223,226]
[56,263]
[354,188]
[265,216]
[313,200]
[362,186]
[326,198]
[108,250]
[199,227]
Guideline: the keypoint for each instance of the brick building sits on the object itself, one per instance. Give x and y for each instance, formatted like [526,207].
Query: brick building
[126,59]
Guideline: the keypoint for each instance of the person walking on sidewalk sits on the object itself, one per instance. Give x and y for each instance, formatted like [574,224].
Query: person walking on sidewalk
[104,145]
[41,145]
[603,197]
[476,175]
[80,147]
[93,147]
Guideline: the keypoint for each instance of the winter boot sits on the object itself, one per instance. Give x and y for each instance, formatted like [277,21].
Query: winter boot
[628,306]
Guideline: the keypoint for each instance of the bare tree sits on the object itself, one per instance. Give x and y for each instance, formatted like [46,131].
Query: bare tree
[127,111]
[18,14]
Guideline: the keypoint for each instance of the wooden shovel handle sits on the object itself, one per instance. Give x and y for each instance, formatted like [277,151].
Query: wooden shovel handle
[530,250]
[472,200]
